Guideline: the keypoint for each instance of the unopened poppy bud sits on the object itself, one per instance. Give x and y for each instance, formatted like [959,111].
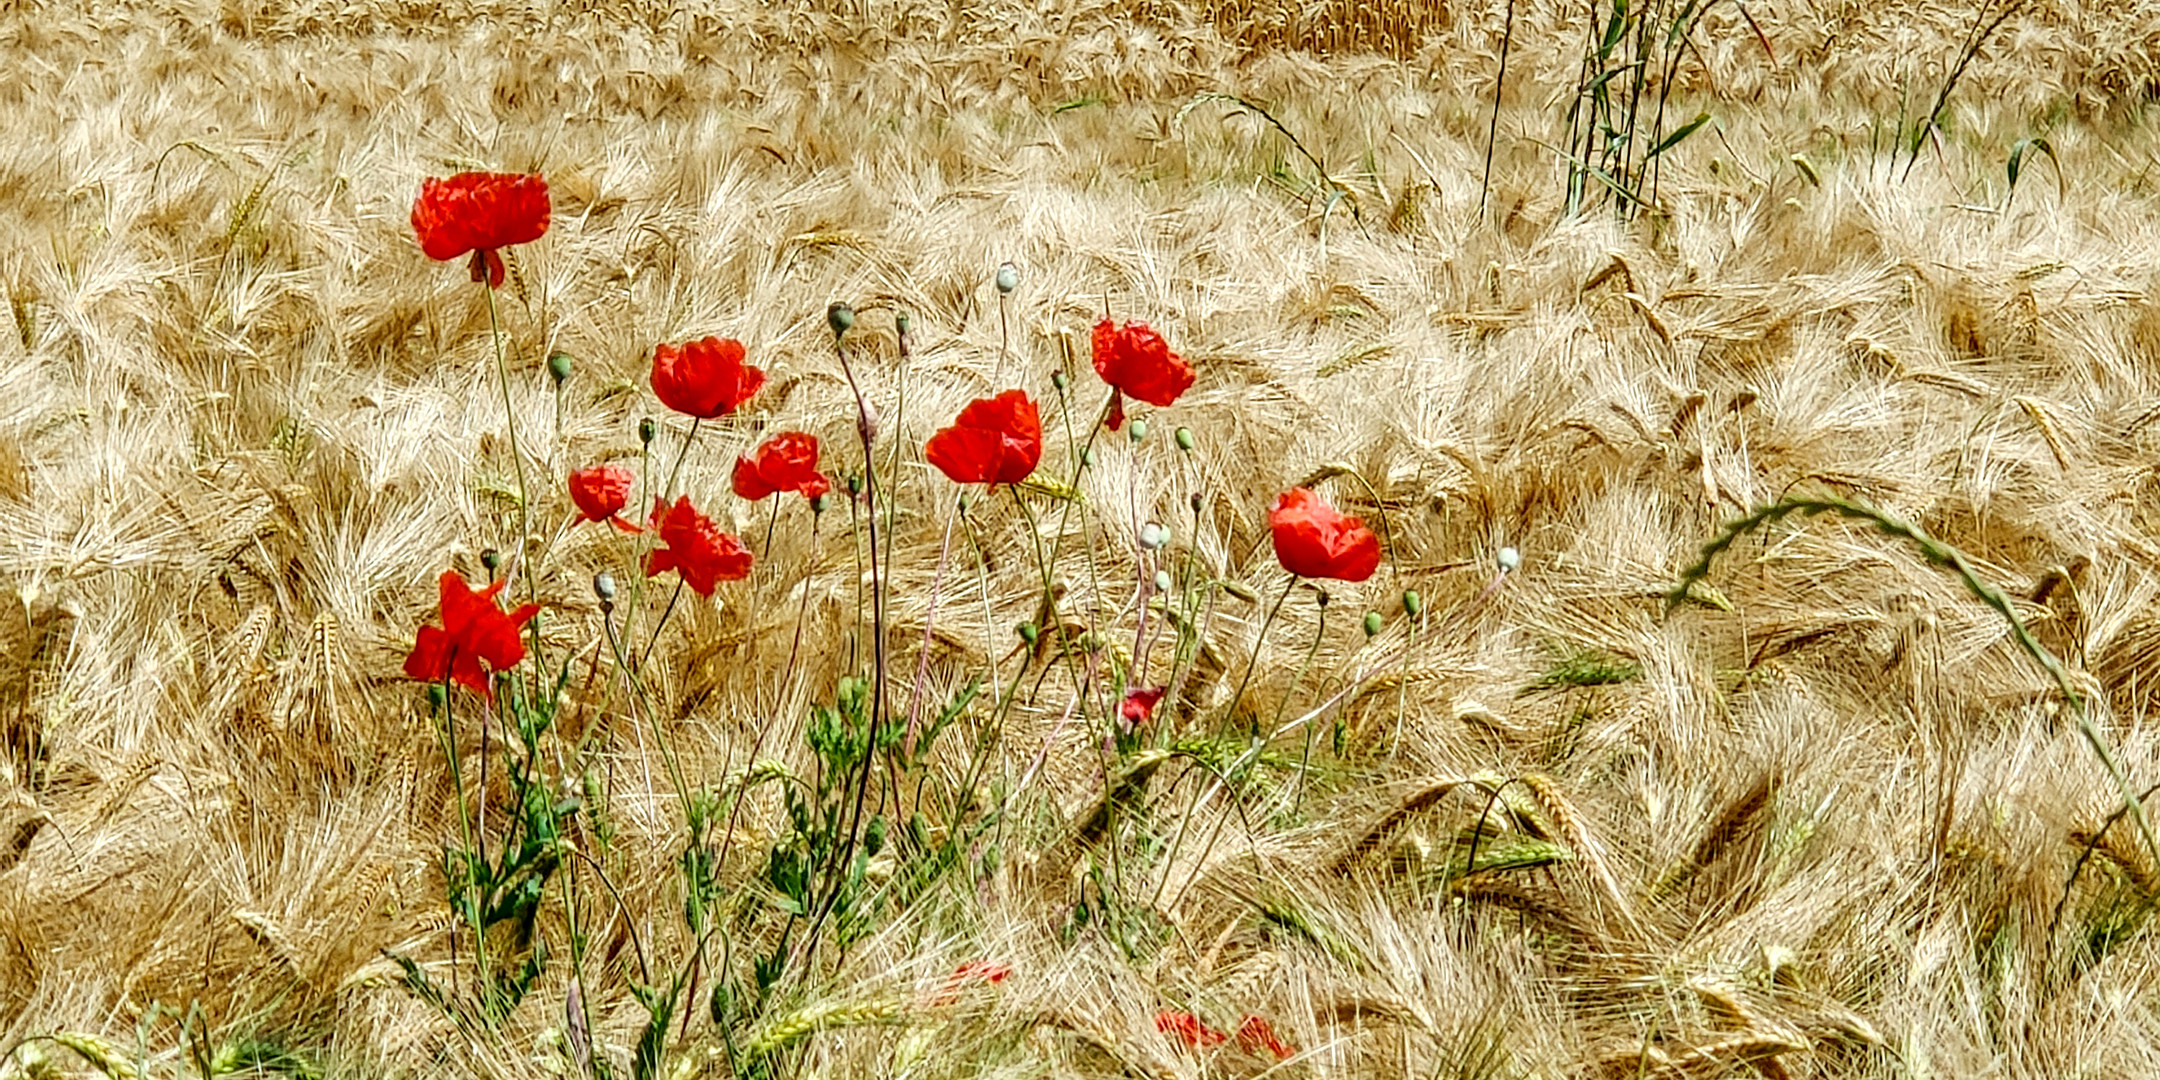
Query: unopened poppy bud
[1510,560]
[964,501]
[603,586]
[901,322]
[874,836]
[492,559]
[1029,633]
[1008,278]
[1184,439]
[559,365]
[854,483]
[1373,623]
[1154,535]
[435,696]
[840,317]
[1197,502]
[1162,581]
[1412,603]
[646,429]
[818,502]
[1139,430]
[1087,457]
[1060,380]
[1321,597]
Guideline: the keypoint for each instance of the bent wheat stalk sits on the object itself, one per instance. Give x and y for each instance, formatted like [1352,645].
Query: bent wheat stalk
[1939,554]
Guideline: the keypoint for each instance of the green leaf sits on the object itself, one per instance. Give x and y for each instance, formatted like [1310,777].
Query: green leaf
[1679,133]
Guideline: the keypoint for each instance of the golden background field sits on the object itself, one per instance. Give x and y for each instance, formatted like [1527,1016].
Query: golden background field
[1821,828]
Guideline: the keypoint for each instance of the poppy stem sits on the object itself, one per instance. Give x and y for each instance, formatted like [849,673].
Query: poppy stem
[517,458]
[1254,661]
[676,470]
[1304,761]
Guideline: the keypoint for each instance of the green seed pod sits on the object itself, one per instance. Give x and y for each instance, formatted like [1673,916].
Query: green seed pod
[436,697]
[1184,439]
[900,322]
[646,430]
[1412,603]
[1510,560]
[819,501]
[840,317]
[1197,502]
[1139,430]
[854,483]
[1373,623]
[1087,457]
[492,559]
[1029,633]
[1062,381]
[1162,581]
[1008,278]
[559,365]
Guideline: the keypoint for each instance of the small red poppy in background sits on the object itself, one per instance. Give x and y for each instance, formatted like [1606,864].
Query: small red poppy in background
[1313,540]
[1138,363]
[705,378]
[1188,1029]
[1256,1034]
[1139,704]
[973,970]
[600,494]
[480,212]
[696,548]
[785,462]
[474,631]
[995,441]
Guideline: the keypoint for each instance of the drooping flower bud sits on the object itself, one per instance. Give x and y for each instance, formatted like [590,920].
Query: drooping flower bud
[1028,633]
[854,483]
[1008,278]
[559,366]
[1062,381]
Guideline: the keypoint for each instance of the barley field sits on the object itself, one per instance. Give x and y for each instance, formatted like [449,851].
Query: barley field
[1864,297]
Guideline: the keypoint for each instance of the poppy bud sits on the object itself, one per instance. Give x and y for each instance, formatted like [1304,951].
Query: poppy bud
[1373,623]
[818,502]
[1087,457]
[854,483]
[840,317]
[1153,536]
[964,501]
[1028,633]
[603,586]
[1510,560]
[723,1001]
[559,365]
[1062,381]
[492,559]
[900,322]
[1008,278]
[436,697]
[1412,603]
[873,840]
[646,429]
[1162,581]
[1139,430]
[1184,439]
[1321,597]
[1196,502]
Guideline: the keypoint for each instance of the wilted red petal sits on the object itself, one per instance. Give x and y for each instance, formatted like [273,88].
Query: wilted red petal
[1255,1034]
[696,549]
[1139,704]
[1188,1029]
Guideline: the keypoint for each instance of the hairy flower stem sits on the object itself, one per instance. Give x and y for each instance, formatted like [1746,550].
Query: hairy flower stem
[1304,761]
[470,910]
[1254,660]
[517,458]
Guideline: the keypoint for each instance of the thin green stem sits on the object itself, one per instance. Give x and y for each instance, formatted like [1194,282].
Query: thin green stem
[1254,661]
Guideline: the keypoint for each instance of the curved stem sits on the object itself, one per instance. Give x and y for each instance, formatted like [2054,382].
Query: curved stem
[1254,661]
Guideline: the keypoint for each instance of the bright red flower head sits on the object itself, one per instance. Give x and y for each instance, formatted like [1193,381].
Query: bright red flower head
[696,548]
[1188,1029]
[1313,540]
[1139,704]
[995,441]
[600,494]
[1138,363]
[1255,1034]
[473,630]
[479,212]
[705,378]
[785,462]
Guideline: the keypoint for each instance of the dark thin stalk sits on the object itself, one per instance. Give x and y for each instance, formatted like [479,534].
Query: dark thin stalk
[1254,661]
[1492,127]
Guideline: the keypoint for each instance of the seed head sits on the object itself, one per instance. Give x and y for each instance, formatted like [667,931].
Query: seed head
[1510,560]
[1373,623]
[1008,278]
[840,317]
[559,366]
[1184,439]
[646,429]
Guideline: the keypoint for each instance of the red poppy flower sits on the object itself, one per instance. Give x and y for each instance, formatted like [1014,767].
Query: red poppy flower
[705,378]
[1256,1034]
[785,462]
[1313,540]
[479,212]
[600,494]
[696,548]
[981,970]
[1139,704]
[1138,363]
[473,630]
[1188,1029]
[995,441]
